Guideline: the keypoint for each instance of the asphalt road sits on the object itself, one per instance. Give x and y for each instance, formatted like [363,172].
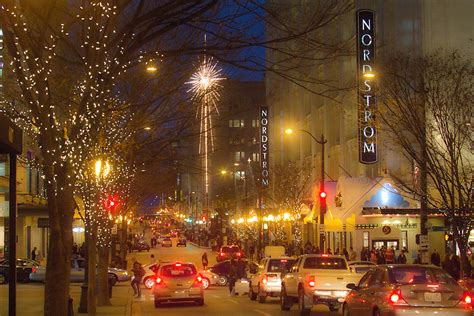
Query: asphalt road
[217,299]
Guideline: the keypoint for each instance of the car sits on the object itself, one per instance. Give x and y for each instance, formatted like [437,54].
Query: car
[178,282]
[361,266]
[166,242]
[267,281]
[402,289]
[209,278]
[150,274]
[181,242]
[229,252]
[141,246]
[222,269]
[23,269]
[316,279]
[78,272]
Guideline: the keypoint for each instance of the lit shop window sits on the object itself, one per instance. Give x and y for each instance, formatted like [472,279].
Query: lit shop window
[255,123]
[366,240]
[404,239]
[240,175]
[255,157]
[236,123]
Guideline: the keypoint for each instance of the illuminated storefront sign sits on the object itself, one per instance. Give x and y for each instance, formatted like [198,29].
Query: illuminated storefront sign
[264,159]
[366,89]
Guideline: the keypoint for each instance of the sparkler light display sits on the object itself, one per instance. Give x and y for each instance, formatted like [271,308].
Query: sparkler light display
[205,86]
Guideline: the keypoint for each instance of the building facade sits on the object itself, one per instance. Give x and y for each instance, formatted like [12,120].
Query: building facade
[365,208]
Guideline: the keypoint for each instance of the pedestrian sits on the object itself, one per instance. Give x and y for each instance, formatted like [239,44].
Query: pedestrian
[33,254]
[251,251]
[308,247]
[345,253]
[74,249]
[328,251]
[233,270]
[389,256]
[373,256]
[316,250]
[138,273]
[456,266]
[435,258]
[364,254]
[352,254]
[205,261]
[402,259]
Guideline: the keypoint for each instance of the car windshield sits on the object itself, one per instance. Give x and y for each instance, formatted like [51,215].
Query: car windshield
[324,263]
[280,265]
[420,275]
[178,270]
[167,239]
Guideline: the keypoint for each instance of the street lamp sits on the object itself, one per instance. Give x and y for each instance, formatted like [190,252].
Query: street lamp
[322,193]
[223,172]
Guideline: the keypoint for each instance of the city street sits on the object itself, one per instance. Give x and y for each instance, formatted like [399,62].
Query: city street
[217,299]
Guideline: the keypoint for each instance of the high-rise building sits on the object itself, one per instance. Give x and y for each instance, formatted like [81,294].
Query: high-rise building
[365,206]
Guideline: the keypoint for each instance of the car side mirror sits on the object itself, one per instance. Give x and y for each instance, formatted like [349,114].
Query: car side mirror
[351,286]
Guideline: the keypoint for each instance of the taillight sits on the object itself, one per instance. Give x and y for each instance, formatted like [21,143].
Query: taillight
[222,254]
[158,281]
[198,281]
[238,254]
[312,281]
[199,278]
[265,279]
[396,298]
[33,269]
[467,298]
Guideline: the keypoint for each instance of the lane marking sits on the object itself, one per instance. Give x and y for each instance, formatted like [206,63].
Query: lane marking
[261,312]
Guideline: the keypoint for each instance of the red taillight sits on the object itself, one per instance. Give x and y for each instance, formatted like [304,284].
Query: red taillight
[312,281]
[177,265]
[324,255]
[199,278]
[238,254]
[222,254]
[467,298]
[158,281]
[396,298]
[198,281]
[265,279]
[433,286]
[33,269]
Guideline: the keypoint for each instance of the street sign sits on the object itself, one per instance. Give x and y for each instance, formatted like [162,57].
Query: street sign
[424,241]
[321,228]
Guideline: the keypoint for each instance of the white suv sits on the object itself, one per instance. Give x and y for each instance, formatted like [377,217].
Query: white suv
[316,279]
[267,281]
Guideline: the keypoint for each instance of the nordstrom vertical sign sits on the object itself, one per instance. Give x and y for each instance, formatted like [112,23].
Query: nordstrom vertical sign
[366,92]
[264,161]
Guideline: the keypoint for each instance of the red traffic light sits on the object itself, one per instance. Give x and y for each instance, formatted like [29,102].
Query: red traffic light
[322,195]
[111,204]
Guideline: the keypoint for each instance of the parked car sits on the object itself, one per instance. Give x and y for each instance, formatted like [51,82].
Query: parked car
[78,272]
[178,282]
[141,246]
[229,252]
[23,269]
[407,290]
[222,269]
[181,242]
[166,242]
[150,274]
[267,280]
[361,266]
[316,279]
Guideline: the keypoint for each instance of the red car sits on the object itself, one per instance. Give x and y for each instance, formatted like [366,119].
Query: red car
[229,252]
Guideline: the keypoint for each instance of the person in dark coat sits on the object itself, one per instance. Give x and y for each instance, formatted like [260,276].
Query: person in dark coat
[435,258]
[456,266]
[33,254]
[233,271]
[402,258]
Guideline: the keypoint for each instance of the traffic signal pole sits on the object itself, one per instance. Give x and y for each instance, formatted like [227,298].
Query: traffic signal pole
[322,204]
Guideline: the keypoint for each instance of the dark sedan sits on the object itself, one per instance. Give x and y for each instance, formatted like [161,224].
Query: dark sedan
[141,246]
[23,269]
[222,269]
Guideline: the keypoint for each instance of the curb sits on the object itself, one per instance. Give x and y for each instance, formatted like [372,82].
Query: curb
[196,245]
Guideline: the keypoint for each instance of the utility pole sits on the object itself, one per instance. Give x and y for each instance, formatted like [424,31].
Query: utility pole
[322,199]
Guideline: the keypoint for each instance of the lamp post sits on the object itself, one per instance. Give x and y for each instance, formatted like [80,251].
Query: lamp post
[101,170]
[322,193]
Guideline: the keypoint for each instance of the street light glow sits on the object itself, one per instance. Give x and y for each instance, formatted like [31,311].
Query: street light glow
[223,172]
[148,128]
[369,75]
[288,131]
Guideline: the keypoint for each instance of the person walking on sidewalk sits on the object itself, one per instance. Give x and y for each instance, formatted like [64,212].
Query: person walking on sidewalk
[138,273]
[205,261]
[233,271]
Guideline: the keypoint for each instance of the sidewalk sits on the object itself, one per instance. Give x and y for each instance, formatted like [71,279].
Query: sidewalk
[122,297]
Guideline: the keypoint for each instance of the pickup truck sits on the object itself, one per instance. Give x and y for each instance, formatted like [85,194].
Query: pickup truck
[316,279]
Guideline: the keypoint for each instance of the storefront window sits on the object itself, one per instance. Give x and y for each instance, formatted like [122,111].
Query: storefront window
[366,239]
[404,239]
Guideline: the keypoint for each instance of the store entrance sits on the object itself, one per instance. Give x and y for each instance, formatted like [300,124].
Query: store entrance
[377,244]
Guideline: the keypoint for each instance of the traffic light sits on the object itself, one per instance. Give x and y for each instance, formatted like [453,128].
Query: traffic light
[322,195]
[111,204]
[448,237]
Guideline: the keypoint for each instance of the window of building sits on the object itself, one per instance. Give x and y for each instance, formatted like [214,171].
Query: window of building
[404,239]
[366,237]
[254,141]
[255,123]
[240,175]
[239,155]
[236,123]
[255,157]
[231,123]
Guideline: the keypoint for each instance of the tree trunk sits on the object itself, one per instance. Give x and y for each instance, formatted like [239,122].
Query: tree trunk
[92,262]
[58,268]
[102,276]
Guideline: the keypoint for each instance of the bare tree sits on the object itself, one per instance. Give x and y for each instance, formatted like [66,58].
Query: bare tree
[427,110]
